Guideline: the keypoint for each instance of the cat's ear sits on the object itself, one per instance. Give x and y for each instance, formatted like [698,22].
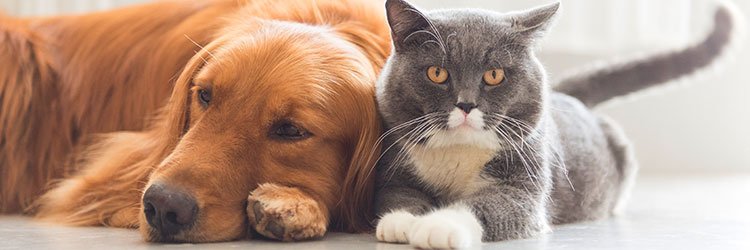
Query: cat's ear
[536,22]
[406,21]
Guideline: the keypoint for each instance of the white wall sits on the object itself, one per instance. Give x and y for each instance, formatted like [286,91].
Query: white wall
[704,126]
[600,26]
[51,7]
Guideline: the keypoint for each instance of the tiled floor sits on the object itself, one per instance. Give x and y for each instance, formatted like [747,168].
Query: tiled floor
[665,212]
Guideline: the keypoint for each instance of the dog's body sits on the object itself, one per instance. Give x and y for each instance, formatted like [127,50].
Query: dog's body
[77,76]
[288,67]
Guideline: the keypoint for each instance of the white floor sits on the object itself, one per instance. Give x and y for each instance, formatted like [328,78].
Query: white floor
[666,212]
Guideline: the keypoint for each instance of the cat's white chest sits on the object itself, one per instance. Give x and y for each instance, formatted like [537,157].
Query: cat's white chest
[452,170]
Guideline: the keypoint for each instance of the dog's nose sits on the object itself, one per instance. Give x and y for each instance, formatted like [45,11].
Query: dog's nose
[466,106]
[169,210]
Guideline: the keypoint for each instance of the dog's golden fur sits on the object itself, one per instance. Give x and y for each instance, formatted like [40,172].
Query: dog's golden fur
[66,80]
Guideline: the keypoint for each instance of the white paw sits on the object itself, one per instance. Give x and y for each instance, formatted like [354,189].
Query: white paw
[446,228]
[394,227]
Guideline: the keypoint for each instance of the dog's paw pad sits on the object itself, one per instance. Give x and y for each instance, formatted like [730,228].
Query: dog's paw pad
[285,213]
[257,210]
[274,228]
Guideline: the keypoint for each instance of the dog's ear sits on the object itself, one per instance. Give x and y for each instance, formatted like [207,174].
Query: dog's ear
[29,100]
[373,40]
[366,30]
[358,190]
[374,44]
[175,118]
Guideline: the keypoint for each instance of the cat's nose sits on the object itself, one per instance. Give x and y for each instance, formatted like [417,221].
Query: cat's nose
[466,106]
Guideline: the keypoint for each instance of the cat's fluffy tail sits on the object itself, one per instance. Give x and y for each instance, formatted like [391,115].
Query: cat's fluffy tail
[601,83]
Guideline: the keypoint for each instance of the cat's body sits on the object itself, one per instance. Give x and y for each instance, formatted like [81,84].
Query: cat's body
[488,150]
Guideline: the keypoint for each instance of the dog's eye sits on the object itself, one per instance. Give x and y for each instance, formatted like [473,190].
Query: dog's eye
[204,96]
[289,131]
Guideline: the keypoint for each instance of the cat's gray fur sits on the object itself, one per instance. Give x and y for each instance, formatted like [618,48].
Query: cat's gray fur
[555,161]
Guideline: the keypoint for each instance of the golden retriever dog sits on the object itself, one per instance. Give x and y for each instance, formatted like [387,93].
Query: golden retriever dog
[195,121]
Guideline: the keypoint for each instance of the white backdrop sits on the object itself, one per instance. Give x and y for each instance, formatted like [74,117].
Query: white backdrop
[704,126]
[602,26]
[50,7]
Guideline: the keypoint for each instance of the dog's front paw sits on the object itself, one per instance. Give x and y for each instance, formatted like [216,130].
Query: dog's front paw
[285,213]
[447,228]
[394,227]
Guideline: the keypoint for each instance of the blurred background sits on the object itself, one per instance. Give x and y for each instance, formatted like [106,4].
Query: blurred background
[700,127]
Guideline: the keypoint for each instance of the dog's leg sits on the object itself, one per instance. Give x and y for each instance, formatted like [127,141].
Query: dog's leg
[285,213]
[108,188]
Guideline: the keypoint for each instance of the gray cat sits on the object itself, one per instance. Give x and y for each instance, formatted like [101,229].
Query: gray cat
[480,147]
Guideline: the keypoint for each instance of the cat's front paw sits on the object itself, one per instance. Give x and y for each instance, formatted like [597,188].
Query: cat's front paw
[446,228]
[285,213]
[394,227]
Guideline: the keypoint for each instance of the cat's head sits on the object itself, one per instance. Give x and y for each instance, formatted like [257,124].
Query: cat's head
[463,76]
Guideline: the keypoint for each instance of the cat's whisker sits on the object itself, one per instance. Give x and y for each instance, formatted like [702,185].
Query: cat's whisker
[429,41]
[524,127]
[407,137]
[409,146]
[558,161]
[535,164]
[397,141]
[435,32]
[425,32]
[525,164]
[392,130]
[531,164]
[510,55]
[426,132]
[402,126]
[521,138]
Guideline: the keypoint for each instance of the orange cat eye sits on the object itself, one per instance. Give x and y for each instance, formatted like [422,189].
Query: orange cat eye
[437,74]
[494,77]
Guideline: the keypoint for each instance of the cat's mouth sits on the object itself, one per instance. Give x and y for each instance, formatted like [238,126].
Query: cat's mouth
[463,129]
[466,126]
[462,121]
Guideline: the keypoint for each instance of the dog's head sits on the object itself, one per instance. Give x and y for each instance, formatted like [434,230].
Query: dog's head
[266,102]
